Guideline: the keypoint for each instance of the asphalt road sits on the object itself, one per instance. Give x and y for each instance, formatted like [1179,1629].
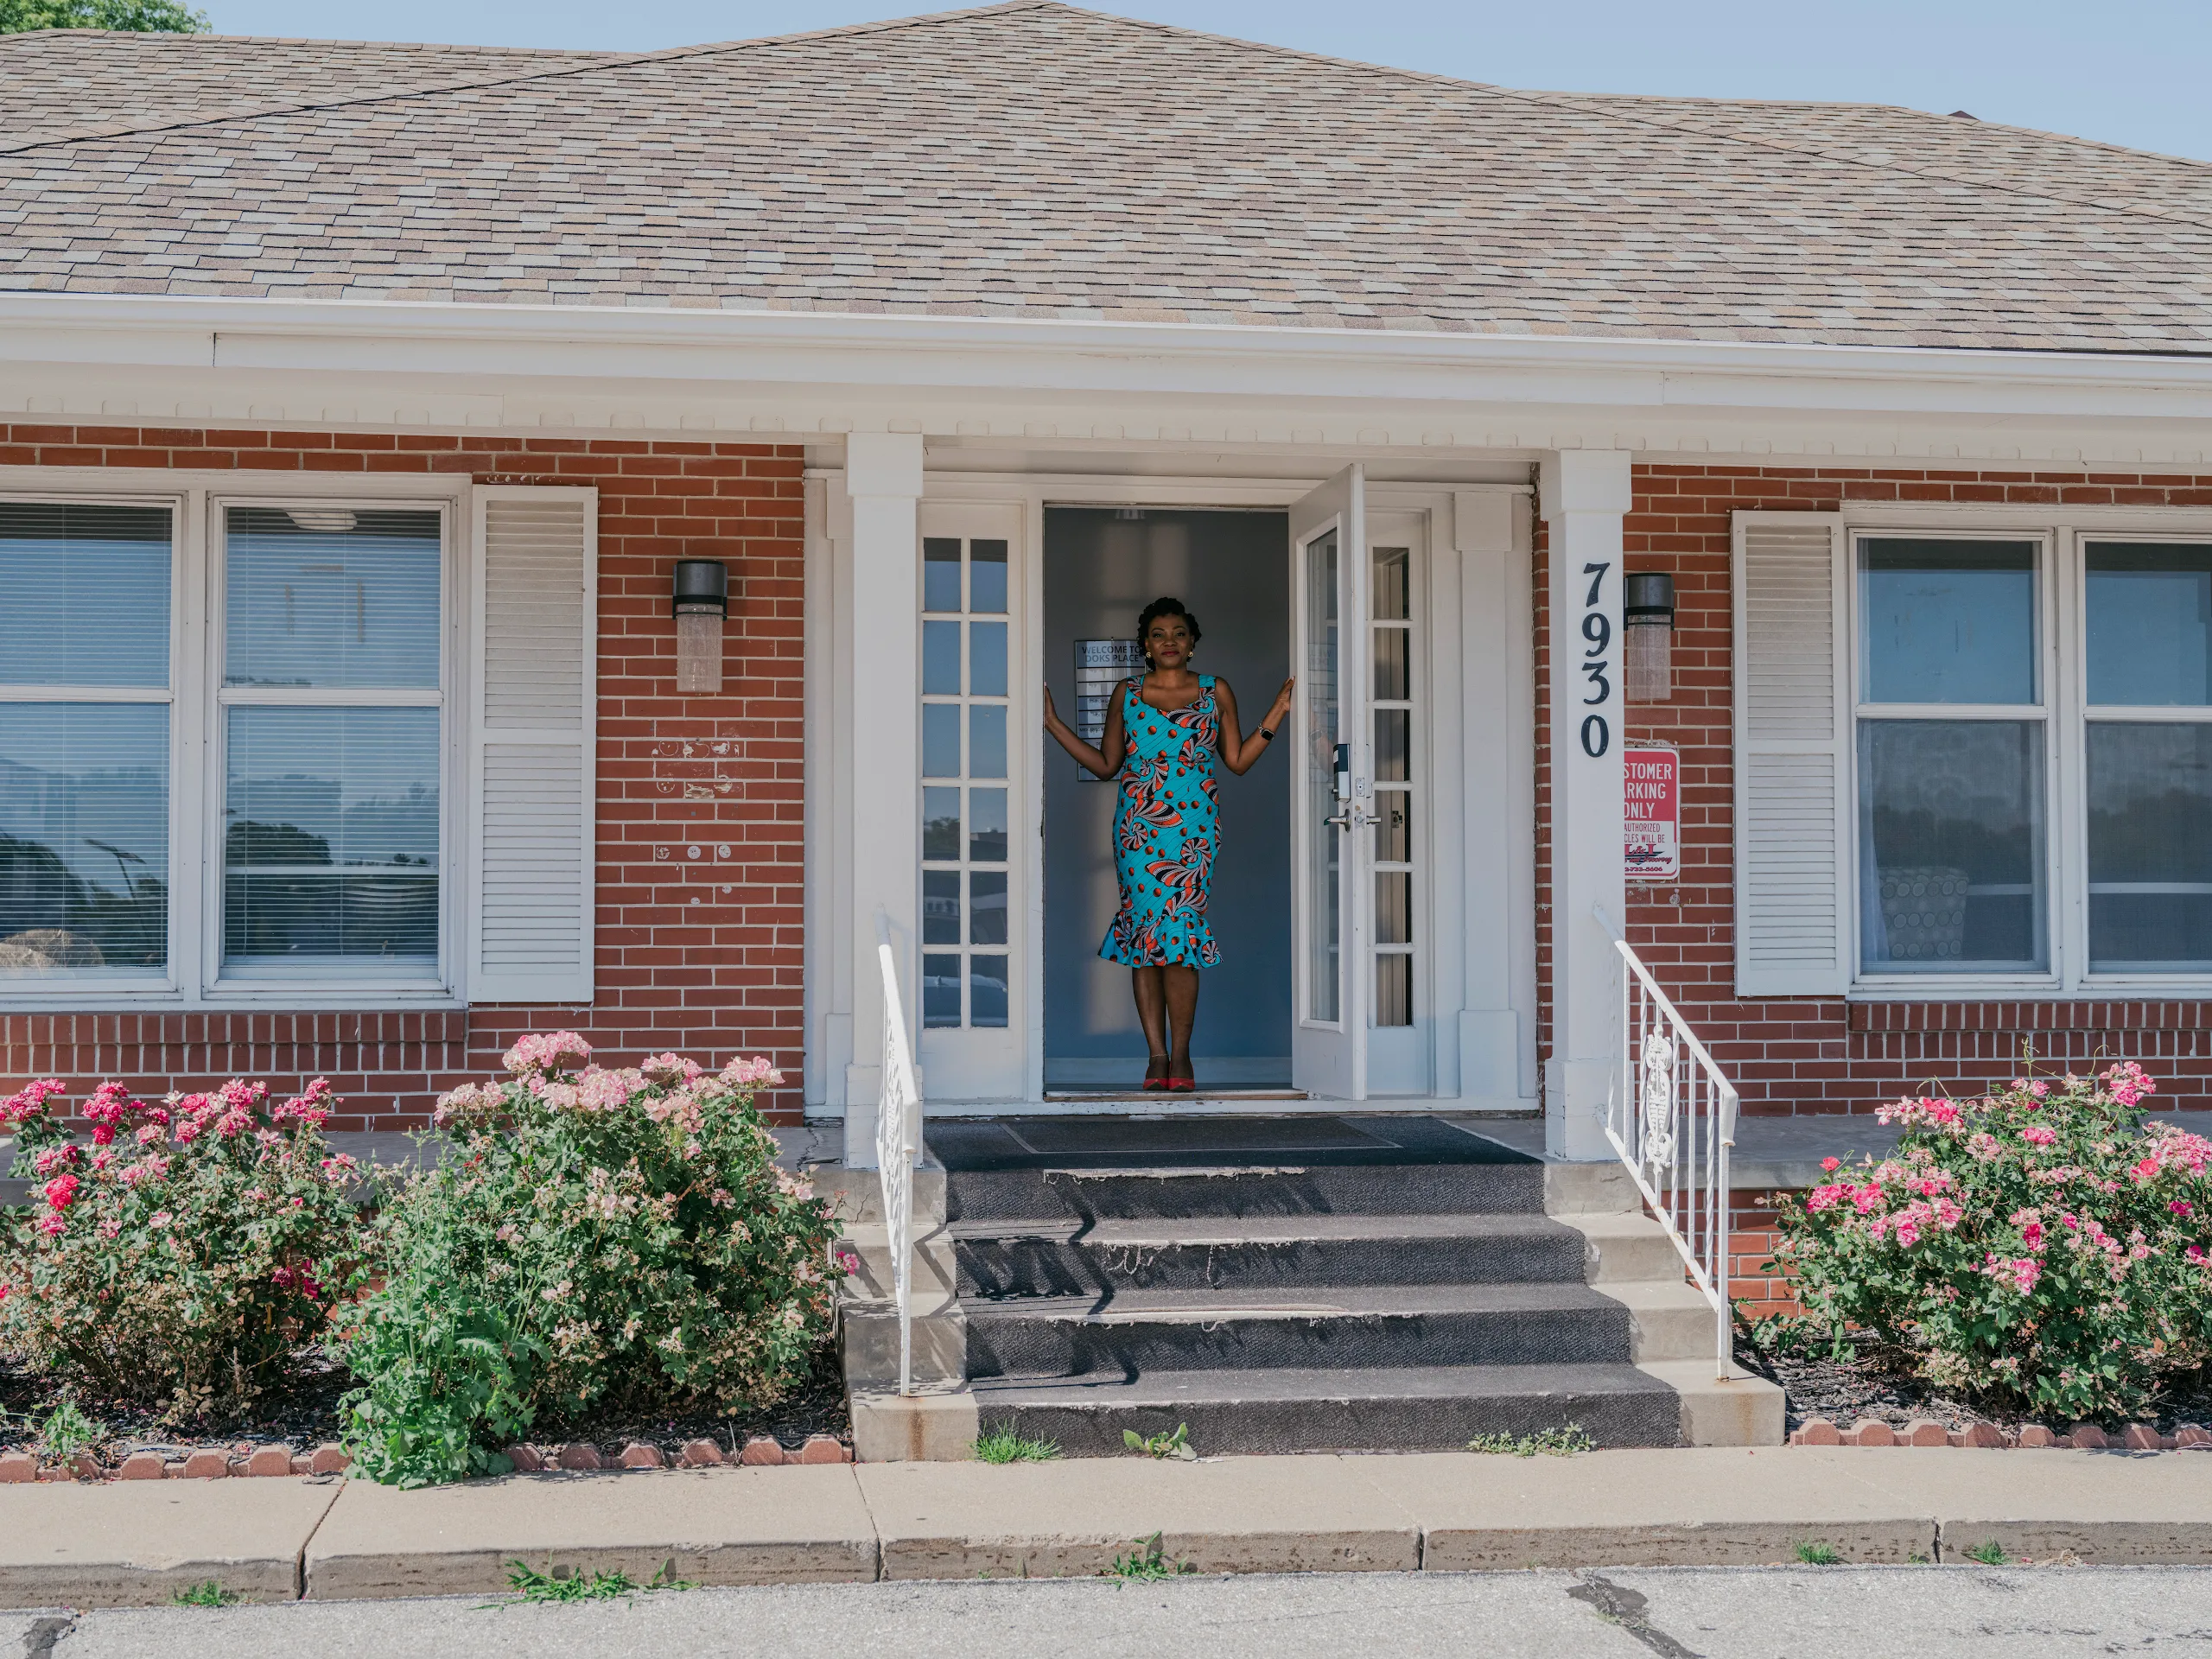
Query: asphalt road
[1682,1613]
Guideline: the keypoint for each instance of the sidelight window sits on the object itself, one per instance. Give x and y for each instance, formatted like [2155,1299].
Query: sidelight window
[966,927]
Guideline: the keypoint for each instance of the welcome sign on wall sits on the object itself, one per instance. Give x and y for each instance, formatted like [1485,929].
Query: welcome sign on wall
[1651,813]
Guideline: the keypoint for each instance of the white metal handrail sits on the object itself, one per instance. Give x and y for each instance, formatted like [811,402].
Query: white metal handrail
[1672,1119]
[898,1141]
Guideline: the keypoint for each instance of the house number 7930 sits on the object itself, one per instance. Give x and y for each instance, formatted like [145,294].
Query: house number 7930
[1598,631]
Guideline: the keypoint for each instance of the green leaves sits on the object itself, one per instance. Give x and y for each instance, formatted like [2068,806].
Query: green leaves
[138,17]
[2038,1246]
[201,1248]
[1177,1445]
[564,1256]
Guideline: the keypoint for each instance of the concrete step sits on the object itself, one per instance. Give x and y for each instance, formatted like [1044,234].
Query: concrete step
[1045,1258]
[1625,1249]
[933,1267]
[1141,1333]
[1410,1410]
[1670,1319]
[868,1337]
[1130,1191]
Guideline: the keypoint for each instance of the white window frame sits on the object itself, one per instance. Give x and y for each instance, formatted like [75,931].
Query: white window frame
[2061,642]
[196,501]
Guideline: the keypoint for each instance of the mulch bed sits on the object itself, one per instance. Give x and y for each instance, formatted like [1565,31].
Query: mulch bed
[304,1415]
[1877,1385]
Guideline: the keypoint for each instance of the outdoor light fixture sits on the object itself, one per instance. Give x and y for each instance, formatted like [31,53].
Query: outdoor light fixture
[700,602]
[1648,628]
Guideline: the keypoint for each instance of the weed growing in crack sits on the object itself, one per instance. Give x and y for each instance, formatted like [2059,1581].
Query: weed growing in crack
[1148,1562]
[1007,1444]
[207,1593]
[1989,1553]
[557,1584]
[1813,1552]
[1548,1442]
[1177,1445]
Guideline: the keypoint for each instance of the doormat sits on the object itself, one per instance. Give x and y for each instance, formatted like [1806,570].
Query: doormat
[1056,1137]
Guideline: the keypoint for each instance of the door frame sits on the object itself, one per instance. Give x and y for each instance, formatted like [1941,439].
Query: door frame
[1480,813]
[1331,1051]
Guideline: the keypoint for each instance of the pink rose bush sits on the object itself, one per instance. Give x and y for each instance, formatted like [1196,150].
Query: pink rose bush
[2039,1245]
[592,1236]
[185,1251]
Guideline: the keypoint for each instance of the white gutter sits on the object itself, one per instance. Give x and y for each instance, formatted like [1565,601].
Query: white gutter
[475,346]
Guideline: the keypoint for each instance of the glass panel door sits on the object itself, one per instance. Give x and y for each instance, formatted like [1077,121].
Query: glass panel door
[1333,784]
[964,867]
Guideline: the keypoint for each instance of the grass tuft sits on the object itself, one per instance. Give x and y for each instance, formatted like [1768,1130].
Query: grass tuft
[1989,1553]
[558,1586]
[207,1593]
[1813,1552]
[1548,1442]
[1006,1444]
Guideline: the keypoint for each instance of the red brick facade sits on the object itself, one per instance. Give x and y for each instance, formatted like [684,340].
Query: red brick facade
[1812,1055]
[712,978]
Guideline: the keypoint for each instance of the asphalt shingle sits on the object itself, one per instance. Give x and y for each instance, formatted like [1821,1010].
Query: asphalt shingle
[1037,161]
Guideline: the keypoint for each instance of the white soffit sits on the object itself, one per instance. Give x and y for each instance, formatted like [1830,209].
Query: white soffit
[982,383]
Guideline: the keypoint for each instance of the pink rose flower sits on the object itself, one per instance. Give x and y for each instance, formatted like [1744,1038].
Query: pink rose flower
[61,1191]
[546,1052]
[30,1101]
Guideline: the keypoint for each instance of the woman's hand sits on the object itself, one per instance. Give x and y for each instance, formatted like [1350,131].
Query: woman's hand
[1092,759]
[1280,708]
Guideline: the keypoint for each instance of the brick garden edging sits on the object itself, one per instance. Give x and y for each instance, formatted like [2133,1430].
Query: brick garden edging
[1926,1430]
[218,1462]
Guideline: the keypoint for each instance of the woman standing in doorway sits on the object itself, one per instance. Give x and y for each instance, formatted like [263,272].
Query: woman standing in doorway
[1162,733]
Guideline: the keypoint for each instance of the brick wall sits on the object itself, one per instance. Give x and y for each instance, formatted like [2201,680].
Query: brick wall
[712,978]
[1751,1239]
[1789,1055]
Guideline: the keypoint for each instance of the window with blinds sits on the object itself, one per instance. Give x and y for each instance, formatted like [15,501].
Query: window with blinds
[331,725]
[86,704]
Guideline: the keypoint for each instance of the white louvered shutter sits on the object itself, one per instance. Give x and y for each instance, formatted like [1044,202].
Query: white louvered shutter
[531,852]
[1793,755]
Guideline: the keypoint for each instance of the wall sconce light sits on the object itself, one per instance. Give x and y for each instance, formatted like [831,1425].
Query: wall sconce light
[1648,623]
[700,603]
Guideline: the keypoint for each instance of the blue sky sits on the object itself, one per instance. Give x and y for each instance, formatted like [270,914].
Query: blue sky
[2127,71]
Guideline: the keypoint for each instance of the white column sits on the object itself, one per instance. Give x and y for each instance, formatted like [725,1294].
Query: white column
[1584,495]
[883,479]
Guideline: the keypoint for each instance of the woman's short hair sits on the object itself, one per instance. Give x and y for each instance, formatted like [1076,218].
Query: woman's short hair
[1165,605]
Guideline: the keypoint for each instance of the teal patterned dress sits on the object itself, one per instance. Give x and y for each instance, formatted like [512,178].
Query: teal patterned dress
[1167,830]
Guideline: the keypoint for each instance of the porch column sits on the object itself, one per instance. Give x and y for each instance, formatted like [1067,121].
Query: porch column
[1583,496]
[883,477]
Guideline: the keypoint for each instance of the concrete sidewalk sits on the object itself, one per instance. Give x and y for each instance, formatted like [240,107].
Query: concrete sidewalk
[132,1543]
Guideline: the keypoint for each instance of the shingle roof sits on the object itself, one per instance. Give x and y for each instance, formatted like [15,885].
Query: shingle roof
[1037,161]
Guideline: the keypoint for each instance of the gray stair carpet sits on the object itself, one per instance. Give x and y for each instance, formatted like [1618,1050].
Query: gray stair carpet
[1286,1284]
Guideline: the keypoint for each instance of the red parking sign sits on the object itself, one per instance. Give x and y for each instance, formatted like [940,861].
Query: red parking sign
[1651,811]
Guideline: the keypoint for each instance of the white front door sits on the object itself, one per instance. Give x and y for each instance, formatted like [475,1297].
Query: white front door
[1332,788]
